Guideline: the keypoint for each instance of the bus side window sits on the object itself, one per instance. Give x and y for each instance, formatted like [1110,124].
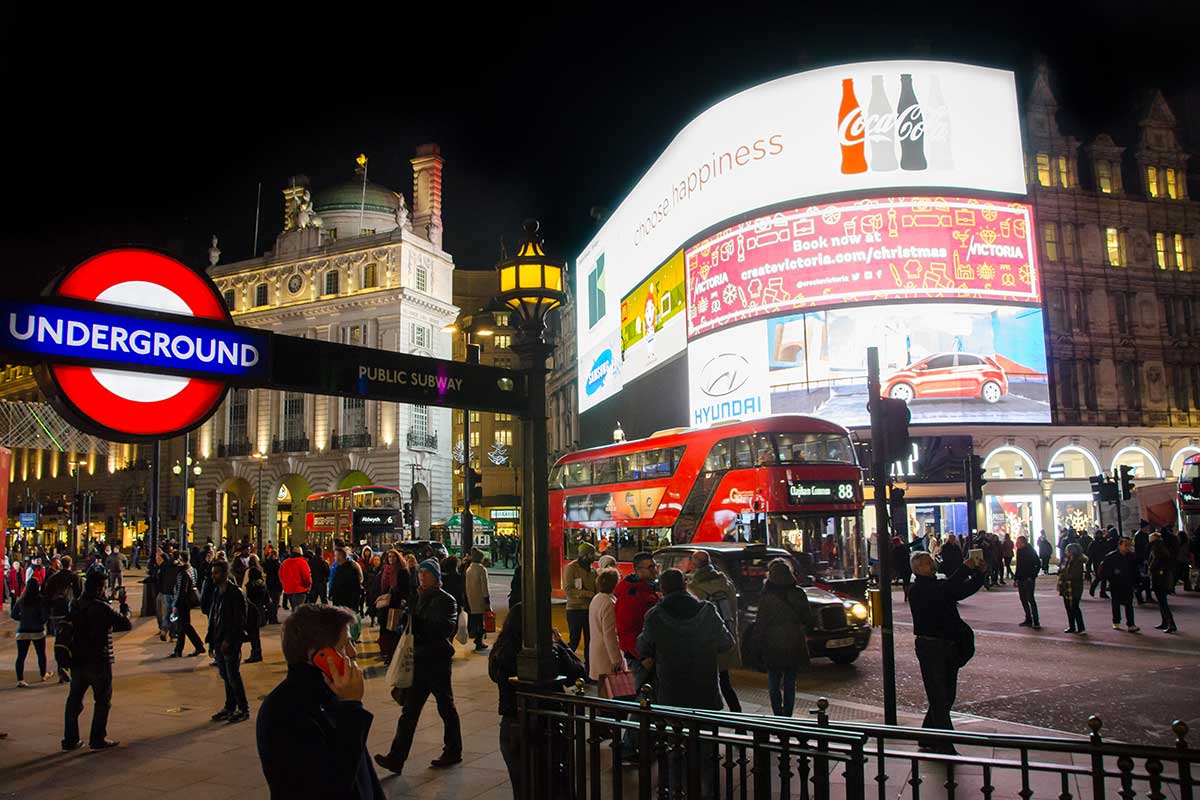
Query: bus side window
[742,455]
[720,457]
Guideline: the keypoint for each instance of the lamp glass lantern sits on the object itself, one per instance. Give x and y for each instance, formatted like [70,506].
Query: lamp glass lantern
[530,283]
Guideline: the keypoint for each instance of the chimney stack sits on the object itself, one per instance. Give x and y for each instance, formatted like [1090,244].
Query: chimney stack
[427,193]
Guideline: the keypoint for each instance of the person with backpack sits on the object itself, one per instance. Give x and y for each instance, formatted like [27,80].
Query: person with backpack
[30,612]
[186,597]
[61,590]
[706,582]
[86,633]
[257,599]
[778,642]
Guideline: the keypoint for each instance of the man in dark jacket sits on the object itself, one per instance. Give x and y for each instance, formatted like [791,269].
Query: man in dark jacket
[434,624]
[346,583]
[1028,566]
[1045,551]
[166,575]
[1097,550]
[1141,552]
[319,570]
[274,585]
[951,556]
[683,636]
[92,622]
[226,632]
[312,729]
[1120,569]
[944,642]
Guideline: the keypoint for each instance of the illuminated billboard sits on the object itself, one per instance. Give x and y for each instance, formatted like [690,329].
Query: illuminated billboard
[898,248]
[851,130]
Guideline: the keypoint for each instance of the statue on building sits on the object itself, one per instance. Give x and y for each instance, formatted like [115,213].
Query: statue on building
[214,252]
[402,220]
[305,218]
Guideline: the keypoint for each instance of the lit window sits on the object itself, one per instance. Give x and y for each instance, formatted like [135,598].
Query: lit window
[260,295]
[422,279]
[1160,249]
[1152,181]
[474,417]
[355,334]
[1172,186]
[504,437]
[1050,241]
[1112,242]
[1064,174]
[367,232]
[368,276]
[1043,170]
[502,341]
[1068,241]
[331,282]
[1182,262]
[474,442]
[502,418]
[1104,176]
[230,299]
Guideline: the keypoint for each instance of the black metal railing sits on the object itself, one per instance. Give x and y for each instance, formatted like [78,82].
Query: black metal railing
[423,439]
[573,745]
[347,441]
[232,449]
[294,444]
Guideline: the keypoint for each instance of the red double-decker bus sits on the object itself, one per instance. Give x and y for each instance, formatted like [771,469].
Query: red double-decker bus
[786,481]
[362,515]
[1189,486]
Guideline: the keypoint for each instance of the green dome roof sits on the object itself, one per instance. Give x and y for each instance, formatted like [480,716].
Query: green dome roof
[348,196]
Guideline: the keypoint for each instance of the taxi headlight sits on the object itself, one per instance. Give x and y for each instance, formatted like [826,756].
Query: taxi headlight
[856,613]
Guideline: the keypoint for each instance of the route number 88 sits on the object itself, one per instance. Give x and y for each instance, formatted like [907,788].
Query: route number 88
[845,491]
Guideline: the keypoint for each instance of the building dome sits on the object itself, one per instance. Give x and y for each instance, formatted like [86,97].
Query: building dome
[348,196]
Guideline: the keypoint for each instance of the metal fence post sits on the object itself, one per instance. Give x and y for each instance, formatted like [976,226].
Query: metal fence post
[1094,723]
[1180,728]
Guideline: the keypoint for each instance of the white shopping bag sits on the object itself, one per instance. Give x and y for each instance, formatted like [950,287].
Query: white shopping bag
[400,671]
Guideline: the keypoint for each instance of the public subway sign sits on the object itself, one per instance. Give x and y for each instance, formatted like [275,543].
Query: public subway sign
[133,345]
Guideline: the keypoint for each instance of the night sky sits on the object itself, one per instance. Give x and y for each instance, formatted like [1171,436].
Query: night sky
[156,131]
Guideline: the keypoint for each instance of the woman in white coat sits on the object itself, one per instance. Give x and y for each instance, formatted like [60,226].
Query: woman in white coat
[604,652]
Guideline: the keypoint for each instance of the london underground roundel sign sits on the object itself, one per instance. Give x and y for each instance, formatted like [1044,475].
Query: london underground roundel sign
[129,404]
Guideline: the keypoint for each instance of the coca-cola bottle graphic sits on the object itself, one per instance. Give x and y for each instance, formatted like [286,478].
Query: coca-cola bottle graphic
[937,127]
[910,127]
[851,131]
[881,128]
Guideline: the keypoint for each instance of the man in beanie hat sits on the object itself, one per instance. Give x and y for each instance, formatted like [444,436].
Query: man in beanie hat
[579,582]
[434,623]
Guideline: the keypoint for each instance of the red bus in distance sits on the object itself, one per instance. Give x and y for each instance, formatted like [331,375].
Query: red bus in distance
[363,515]
[786,481]
[1189,485]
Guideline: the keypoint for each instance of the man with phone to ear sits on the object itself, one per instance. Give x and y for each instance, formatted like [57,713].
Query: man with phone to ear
[312,727]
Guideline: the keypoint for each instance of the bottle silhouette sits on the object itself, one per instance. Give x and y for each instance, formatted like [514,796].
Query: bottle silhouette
[851,131]
[937,127]
[910,127]
[881,128]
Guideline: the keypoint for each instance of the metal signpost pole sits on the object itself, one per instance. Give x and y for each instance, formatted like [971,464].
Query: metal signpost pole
[883,549]
[154,487]
[183,504]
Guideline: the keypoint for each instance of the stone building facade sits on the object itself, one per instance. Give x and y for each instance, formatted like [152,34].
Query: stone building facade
[353,266]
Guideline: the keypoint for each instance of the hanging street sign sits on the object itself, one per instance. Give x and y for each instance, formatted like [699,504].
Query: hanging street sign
[133,345]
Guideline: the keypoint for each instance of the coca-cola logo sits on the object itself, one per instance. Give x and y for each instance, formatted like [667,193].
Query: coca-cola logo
[851,129]
[910,125]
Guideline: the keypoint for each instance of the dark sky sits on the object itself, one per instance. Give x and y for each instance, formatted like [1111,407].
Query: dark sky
[156,130]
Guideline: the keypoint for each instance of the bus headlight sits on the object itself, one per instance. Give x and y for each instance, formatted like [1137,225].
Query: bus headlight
[856,613]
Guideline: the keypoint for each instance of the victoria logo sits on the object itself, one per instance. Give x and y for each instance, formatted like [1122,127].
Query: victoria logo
[601,369]
[724,374]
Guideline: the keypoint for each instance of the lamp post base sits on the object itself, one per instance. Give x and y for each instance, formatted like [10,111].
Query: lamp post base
[536,668]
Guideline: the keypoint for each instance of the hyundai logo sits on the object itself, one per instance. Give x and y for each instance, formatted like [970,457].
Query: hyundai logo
[724,374]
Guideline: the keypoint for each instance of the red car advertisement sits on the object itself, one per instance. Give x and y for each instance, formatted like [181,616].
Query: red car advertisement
[862,251]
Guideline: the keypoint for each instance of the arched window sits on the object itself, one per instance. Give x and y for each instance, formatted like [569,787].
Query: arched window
[1073,462]
[1008,463]
[1144,464]
[1177,459]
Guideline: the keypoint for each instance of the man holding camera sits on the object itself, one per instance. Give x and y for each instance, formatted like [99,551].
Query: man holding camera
[944,642]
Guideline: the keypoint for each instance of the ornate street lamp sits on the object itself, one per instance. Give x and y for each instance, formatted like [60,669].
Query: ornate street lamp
[531,285]
[182,470]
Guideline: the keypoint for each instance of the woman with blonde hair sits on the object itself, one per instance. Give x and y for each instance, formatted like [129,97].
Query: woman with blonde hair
[604,652]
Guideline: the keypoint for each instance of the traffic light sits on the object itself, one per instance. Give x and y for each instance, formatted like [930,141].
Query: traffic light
[977,477]
[408,514]
[895,416]
[474,486]
[1126,481]
[1098,483]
